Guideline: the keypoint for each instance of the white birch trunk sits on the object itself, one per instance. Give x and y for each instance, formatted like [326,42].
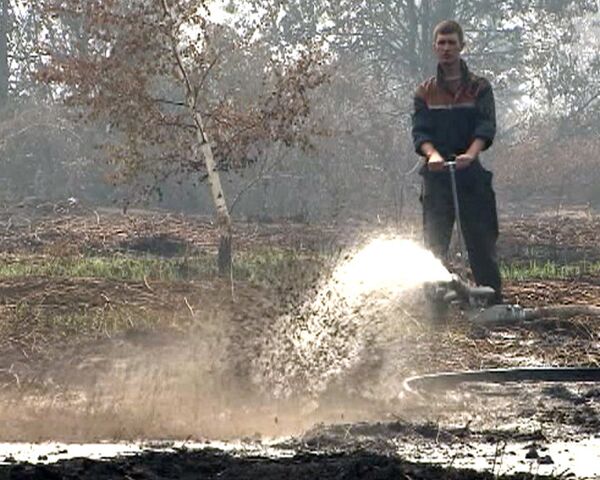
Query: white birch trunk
[224,259]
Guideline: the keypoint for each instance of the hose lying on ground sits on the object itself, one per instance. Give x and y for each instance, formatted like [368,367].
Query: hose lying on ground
[450,380]
[510,315]
[514,314]
[563,311]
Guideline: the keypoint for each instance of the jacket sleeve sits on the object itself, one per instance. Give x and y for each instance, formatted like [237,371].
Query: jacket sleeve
[422,125]
[485,123]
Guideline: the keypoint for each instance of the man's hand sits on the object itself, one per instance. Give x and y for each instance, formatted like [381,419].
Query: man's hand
[463,161]
[435,162]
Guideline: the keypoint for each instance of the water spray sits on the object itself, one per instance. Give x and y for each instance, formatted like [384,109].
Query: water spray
[327,336]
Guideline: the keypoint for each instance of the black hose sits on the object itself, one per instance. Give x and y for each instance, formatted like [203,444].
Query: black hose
[449,380]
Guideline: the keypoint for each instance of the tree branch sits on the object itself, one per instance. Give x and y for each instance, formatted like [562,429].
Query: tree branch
[169,102]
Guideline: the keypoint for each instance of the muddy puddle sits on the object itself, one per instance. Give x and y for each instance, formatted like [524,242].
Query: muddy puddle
[539,429]
[579,458]
[47,453]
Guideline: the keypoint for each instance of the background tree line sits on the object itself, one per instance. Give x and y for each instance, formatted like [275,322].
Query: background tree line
[306,104]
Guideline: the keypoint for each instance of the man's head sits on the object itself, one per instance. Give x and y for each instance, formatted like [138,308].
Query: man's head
[448,41]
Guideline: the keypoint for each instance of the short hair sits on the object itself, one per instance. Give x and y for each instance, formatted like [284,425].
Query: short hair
[447,27]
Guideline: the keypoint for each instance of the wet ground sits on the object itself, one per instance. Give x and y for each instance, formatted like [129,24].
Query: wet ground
[212,463]
[182,373]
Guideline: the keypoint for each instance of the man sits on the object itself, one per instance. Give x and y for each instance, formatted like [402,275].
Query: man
[454,118]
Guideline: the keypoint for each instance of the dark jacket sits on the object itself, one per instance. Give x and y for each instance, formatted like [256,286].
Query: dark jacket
[452,121]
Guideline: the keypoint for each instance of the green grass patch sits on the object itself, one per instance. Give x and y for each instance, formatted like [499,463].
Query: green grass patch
[115,267]
[547,270]
[275,266]
[262,266]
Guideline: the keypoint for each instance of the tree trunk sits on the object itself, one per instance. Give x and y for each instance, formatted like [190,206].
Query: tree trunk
[224,256]
[414,59]
[4,73]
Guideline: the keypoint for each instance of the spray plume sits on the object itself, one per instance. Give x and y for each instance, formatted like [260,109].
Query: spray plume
[326,335]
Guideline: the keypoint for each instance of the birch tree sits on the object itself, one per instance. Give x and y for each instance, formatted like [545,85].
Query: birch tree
[165,78]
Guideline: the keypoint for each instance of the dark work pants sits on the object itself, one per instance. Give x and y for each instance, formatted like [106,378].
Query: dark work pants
[478,217]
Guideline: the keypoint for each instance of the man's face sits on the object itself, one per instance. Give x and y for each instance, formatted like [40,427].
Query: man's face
[447,48]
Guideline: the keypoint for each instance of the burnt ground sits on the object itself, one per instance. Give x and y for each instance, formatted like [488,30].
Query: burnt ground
[156,359]
[216,464]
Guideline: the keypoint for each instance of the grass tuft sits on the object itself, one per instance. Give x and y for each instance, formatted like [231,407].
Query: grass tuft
[266,266]
[547,270]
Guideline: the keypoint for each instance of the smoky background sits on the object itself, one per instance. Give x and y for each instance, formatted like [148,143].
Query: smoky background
[541,57]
